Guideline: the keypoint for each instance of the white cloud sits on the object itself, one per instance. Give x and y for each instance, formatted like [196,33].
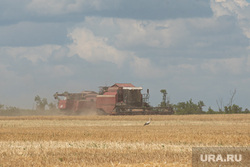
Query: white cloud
[133,34]
[150,9]
[17,90]
[180,37]
[238,8]
[96,48]
[57,7]
[228,65]
[33,54]
[186,68]
[62,70]
[229,7]
[248,63]
[157,34]
[93,48]
[143,68]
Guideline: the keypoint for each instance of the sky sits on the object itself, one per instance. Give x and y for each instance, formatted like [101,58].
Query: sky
[196,49]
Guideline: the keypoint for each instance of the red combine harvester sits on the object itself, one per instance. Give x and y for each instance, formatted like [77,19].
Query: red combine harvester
[118,99]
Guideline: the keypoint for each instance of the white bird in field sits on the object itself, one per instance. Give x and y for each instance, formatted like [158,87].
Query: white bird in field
[148,122]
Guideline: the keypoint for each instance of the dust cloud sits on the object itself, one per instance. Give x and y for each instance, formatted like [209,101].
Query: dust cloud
[55,112]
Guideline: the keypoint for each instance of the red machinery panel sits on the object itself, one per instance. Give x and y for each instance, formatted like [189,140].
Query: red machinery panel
[77,102]
[107,101]
[62,104]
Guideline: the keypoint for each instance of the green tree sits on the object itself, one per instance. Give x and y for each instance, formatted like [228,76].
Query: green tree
[210,111]
[246,111]
[164,98]
[1,106]
[200,106]
[189,107]
[232,109]
[51,106]
[236,109]
[40,103]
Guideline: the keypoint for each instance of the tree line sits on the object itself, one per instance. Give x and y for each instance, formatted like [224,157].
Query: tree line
[41,105]
[189,107]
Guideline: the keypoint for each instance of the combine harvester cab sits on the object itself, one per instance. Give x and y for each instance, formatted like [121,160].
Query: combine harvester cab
[112,99]
[126,99]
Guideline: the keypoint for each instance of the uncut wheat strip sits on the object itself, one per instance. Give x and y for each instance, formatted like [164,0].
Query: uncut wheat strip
[21,146]
[68,123]
[87,123]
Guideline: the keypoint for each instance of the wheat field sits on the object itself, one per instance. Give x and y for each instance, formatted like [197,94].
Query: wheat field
[116,140]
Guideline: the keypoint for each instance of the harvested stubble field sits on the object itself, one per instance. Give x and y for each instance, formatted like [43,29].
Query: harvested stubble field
[116,140]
